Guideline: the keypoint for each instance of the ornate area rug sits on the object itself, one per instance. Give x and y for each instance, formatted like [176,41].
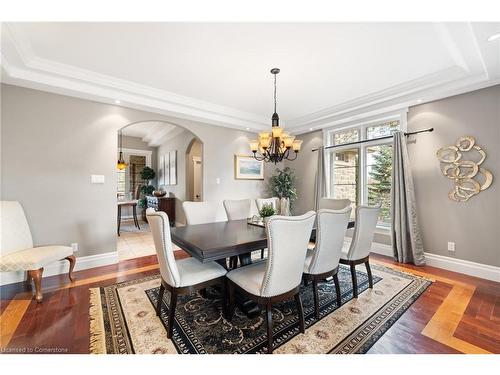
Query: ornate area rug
[123,318]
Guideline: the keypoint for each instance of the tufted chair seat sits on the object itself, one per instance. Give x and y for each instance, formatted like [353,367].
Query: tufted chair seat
[17,252]
[33,258]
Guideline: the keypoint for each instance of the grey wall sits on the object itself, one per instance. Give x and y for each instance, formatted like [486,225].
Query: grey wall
[51,144]
[475,225]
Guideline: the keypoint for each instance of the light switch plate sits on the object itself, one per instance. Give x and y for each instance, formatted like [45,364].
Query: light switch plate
[97,179]
[74,246]
[451,246]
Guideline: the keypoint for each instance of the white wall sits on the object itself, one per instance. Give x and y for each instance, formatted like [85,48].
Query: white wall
[51,144]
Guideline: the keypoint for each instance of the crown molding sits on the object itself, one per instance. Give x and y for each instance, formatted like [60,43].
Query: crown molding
[474,67]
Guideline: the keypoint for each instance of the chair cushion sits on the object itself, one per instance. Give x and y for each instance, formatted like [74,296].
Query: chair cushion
[192,271]
[33,258]
[249,277]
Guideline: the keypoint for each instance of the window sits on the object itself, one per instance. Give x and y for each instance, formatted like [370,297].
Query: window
[363,172]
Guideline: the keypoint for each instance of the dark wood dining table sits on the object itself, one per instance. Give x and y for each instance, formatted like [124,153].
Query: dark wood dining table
[222,240]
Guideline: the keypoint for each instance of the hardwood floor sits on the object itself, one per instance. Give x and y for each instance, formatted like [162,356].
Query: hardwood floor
[457,313]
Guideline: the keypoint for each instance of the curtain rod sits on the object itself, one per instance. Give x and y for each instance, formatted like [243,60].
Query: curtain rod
[375,139]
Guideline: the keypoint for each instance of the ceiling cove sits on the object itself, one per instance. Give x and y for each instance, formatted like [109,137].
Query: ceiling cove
[451,58]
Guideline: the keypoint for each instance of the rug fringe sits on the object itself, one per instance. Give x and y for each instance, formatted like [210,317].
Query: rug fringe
[97,343]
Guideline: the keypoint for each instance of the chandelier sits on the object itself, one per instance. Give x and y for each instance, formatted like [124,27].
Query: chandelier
[275,146]
[121,165]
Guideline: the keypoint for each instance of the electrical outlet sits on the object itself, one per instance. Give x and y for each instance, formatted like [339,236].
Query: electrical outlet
[74,246]
[451,246]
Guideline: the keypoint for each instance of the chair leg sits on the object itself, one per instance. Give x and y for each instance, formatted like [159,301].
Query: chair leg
[269,320]
[72,262]
[302,324]
[354,281]
[119,218]
[262,253]
[316,298]
[230,312]
[203,293]
[337,289]
[369,272]
[171,312]
[160,300]
[36,275]
[136,221]
[224,297]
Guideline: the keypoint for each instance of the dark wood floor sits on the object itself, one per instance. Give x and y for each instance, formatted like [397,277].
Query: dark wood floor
[457,313]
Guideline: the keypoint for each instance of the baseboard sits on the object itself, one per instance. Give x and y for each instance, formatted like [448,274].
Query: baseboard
[62,266]
[484,271]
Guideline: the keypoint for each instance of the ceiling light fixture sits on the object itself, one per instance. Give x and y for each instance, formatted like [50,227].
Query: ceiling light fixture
[121,165]
[275,146]
[494,37]
[117,101]
[420,100]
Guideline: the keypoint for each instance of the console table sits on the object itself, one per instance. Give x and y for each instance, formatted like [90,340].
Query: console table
[165,204]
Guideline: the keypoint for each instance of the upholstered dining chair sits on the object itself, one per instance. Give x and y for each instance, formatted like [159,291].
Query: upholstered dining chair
[359,251]
[17,252]
[323,261]
[237,209]
[180,276]
[334,204]
[200,212]
[272,201]
[277,279]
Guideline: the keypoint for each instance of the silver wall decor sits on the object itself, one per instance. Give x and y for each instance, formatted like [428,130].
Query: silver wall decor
[469,178]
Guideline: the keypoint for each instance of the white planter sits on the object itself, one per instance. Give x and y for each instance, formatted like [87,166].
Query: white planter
[284,208]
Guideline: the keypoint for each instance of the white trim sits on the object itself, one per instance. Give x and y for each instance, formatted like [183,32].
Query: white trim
[483,271]
[62,266]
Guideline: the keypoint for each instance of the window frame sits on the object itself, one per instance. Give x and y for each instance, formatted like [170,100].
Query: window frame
[361,125]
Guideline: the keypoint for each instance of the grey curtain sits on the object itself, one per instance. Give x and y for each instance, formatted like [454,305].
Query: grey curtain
[320,183]
[405,231]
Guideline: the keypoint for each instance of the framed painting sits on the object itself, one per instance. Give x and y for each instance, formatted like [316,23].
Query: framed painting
[161,170]
[247,168]
[166,169]
[173,167]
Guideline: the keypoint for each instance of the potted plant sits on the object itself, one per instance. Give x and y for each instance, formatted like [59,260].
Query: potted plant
[282,185]
[266,211]
[147,174]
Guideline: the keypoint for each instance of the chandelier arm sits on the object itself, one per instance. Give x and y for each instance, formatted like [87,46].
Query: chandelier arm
[292,159]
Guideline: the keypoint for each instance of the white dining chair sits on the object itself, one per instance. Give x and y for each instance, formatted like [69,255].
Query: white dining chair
[17,252]
[361,244]
[200,212]
[334,204]
[277,279]
[274,202]
[184,276]
[323,261]
[238,209]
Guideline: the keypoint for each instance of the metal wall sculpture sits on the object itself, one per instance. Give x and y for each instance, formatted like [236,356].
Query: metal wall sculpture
[468,177]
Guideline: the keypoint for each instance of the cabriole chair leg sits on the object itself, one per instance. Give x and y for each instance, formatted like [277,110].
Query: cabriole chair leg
[36,275]
[369,273]
[354,281]
[171,312]
[72,262]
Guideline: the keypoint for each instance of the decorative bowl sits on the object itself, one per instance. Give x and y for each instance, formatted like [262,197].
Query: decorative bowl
[159,193]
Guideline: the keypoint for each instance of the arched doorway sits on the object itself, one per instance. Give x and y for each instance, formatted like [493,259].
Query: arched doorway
[146,144]
[194,171]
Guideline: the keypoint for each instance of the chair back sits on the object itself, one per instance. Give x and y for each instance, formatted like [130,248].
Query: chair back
[288,237]
[272,201]
[160,228]
[334,204]
[15,232]
[366,222]
[330,233]
[200,212]
[237,209]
